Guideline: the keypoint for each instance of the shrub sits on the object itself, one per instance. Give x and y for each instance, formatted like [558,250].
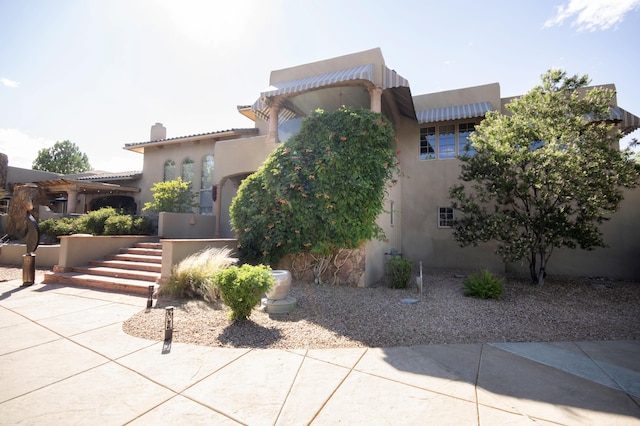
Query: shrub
[242,287]
[193,276]
[118,225]
[398,272]
[483,285]
[51,229]
[142,225]
[93,222]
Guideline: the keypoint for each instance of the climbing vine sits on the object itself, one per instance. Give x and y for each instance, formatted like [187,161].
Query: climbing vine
[319,192]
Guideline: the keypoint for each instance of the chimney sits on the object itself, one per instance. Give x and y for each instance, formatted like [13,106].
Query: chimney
[158,132]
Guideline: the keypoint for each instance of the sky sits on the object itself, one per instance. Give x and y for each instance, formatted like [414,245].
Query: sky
[101,73]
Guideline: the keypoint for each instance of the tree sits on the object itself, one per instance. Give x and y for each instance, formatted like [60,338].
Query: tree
[320,191]
[545,175]
[172,196]
[63,157]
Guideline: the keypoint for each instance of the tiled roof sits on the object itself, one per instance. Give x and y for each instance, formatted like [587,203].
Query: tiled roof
[98,175]
[244,130]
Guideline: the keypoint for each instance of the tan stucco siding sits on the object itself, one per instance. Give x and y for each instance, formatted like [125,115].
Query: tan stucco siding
[241,156]
[155,158]
[425,188]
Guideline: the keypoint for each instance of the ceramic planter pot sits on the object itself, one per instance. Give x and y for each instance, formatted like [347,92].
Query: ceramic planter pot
[281,286]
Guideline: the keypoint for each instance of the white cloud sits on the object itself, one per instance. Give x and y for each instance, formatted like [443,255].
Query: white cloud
[9,83]
[21,148]
[592,15]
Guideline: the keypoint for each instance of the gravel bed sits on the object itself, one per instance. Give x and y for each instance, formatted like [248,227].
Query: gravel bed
[340,317]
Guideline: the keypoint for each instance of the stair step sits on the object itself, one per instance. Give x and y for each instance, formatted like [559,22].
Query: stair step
[99,282]
[135,258]
[149,245]
[128,264]
[118,273]
[142,251]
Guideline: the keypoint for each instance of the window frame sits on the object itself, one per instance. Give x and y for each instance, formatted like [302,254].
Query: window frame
[446,217]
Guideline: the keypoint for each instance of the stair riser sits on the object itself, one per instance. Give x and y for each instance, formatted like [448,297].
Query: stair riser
[134,266]
[134,258]
[100,285]
[141,251]
[120,274]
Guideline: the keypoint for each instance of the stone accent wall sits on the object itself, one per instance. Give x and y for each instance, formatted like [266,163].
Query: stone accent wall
[348,268]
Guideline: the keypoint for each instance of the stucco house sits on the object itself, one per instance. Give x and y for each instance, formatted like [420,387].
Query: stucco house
[431,131]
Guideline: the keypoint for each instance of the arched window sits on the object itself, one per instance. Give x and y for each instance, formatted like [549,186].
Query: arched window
[206,185]
[169,170]
[188,170]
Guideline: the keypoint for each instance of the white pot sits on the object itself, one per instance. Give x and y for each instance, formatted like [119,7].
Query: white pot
[281,285]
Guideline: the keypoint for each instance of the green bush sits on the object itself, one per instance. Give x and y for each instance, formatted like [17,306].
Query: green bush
[142,225]
[193,276]
[483,285]
[399,272]
[118,225]
[242,287]
[51,229]
[93,222]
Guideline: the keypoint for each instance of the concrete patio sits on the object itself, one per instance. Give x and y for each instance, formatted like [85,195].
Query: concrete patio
[64,359]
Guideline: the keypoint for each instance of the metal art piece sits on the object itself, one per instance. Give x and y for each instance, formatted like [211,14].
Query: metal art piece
[150,297]
[32,239]
[168,323]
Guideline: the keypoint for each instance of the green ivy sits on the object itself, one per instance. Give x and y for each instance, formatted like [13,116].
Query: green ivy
[320,191]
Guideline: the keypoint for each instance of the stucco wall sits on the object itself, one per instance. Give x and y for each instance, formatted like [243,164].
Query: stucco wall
[186,225]
[425,187]
[155,158]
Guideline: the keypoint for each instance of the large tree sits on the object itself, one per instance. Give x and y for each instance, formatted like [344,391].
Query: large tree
[319,192]
[63,157]
[545,175]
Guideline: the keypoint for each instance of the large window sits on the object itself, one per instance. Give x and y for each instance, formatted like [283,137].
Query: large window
[427,143]
[445,217]
[188,170]
[449,141]
[206,185]
[169,170]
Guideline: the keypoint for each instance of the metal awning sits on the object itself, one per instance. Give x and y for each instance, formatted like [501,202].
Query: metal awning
[454,112]
[390,79]
[628,121]
[363,72]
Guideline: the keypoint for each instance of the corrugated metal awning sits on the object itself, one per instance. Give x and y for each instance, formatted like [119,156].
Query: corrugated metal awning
[454,112]
[390,79]
[363,72]
[628,121]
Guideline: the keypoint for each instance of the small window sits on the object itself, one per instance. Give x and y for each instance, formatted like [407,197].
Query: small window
[188,170]
[447,141]
[427,143]
[206,185]
[445,217]
[464,134]
[169,170]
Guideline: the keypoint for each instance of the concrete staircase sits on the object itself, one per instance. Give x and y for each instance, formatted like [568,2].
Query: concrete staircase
[131,270]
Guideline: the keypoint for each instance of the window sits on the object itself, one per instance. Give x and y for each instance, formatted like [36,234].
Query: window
[206,185]
[188,170]
[288,128]
[447,139]
[427,143]
[445,217]
[465,130]
[169,170]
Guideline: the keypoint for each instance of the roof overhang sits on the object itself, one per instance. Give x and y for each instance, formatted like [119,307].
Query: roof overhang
[63,185]
[213,136]
[369,75]
[628,122]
